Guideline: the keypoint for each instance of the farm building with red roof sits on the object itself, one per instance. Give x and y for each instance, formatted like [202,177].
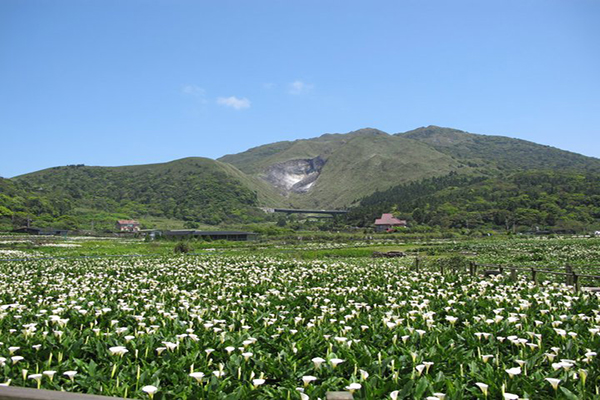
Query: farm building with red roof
[128,225]
[388,222]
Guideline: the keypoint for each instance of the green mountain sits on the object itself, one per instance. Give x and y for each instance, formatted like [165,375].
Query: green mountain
[190,189]
[500,152]
[561,201]
[329,171]
[334,170]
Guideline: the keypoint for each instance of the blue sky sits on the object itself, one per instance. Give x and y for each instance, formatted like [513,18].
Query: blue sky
[117,82]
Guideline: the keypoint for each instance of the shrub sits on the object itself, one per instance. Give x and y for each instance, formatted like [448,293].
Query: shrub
[182,248]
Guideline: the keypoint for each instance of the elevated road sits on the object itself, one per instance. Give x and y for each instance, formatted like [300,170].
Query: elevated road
[296,211]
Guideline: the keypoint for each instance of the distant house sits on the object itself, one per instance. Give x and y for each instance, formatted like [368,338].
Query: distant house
[150,233]
[127,225]
[388,222]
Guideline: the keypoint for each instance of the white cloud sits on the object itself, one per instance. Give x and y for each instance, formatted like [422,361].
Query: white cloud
[234,102]
[299,87]
[193,90]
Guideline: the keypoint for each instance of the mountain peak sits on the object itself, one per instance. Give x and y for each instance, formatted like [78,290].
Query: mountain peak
[436,135]
[431,130]
[368,131]
[359,132]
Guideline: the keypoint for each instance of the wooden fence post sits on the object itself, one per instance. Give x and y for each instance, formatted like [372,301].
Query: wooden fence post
[572,278]
[569,277]
[575,278]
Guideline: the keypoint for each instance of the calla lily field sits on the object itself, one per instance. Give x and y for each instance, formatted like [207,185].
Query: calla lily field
[262,326]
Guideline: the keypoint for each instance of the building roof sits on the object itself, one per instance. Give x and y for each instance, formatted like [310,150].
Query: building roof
[127,221]
[389,219]
[206,233]
[45,230]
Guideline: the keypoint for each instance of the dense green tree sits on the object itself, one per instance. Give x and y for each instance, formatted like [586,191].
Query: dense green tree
[527,200]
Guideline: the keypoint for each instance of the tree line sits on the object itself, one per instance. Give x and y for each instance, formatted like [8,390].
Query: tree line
[533,200]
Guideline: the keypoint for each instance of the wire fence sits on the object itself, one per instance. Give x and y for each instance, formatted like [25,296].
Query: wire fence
[570,275]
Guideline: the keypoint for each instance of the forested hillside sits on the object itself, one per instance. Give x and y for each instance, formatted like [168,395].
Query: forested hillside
[18,203]
[525,201]
[193,190]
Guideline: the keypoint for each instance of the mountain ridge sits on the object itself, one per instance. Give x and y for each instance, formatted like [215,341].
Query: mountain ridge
[509,152]
[333,170]
[447,148]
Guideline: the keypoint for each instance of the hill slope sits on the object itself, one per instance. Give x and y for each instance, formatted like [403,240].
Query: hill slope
[18,202]
[334,170]
[556,200]
[501,152]
[190,189]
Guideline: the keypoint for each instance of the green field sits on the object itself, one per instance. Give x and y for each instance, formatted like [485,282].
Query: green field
[275,320]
